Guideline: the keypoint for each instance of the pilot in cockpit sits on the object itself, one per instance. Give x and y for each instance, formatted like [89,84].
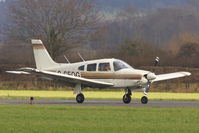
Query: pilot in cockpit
[107,67]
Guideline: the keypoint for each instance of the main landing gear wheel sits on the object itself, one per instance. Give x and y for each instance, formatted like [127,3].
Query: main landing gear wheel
[144,100]
[80,98]
[127,98]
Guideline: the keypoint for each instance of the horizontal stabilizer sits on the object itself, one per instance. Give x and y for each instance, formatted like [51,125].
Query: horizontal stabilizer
[17,72]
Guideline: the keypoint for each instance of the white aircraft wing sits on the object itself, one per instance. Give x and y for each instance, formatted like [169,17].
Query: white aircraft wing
[63,77]
[171,76]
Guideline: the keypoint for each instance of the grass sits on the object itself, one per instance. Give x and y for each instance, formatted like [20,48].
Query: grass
[101,95]
[74,119]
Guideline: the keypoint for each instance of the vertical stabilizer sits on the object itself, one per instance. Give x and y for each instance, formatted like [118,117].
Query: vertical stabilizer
[41,55]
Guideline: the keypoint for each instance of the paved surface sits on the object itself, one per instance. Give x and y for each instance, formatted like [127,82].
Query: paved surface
[151,103]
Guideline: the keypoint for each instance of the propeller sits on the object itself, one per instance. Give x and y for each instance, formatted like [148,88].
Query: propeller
[157,59]
[151,76]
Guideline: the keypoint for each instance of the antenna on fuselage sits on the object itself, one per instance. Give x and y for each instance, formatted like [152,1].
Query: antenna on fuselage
[67,59]
[81,57]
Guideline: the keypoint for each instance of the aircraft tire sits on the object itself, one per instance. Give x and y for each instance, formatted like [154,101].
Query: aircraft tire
[144,100]
[80,98]
[126,99]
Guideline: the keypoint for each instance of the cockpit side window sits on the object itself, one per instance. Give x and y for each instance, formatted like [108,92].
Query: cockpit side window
[81,68]
[104,67]
[91,67]
[119,65]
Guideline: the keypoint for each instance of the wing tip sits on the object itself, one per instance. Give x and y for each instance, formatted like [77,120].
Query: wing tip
[186,73]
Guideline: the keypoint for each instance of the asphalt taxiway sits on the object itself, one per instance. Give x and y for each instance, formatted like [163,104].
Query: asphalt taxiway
[135,103]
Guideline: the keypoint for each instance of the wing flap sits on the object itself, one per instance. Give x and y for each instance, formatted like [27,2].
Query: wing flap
[75,79]
[171,76]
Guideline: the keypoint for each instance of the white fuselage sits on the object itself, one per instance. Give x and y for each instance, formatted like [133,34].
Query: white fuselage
[122,76]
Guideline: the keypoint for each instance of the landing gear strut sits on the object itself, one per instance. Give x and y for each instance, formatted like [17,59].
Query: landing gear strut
[80,98]
[127,96]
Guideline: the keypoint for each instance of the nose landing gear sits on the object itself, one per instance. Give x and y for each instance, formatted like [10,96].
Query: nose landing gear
[144,99]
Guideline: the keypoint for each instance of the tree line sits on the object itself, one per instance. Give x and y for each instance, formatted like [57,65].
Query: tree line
[134,35]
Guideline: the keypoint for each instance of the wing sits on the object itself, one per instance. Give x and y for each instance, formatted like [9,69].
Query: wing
[63,77]
[171,76]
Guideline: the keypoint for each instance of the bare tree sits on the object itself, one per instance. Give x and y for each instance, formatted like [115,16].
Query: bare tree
[61,24]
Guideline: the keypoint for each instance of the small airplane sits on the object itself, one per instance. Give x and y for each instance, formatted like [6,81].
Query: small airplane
[102,73]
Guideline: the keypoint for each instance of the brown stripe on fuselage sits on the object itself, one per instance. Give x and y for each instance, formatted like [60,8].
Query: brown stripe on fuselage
[38,46]
[89,75]
[51,70]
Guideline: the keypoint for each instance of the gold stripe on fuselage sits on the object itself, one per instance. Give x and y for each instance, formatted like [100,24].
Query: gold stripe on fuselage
[109,76]
[92,75]
[51,70]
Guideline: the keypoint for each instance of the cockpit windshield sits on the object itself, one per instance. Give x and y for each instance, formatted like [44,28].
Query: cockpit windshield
[120,65]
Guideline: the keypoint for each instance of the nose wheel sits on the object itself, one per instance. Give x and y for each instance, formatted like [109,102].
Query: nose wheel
[80,98]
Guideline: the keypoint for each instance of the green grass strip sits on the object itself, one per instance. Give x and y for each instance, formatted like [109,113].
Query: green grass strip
[103,95]
[76,119]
